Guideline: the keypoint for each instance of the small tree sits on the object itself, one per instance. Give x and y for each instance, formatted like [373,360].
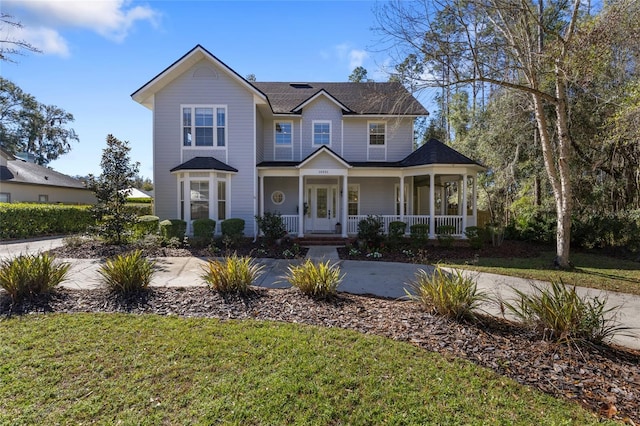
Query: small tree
[117,174]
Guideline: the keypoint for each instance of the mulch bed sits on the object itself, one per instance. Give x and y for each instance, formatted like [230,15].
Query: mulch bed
[604,379]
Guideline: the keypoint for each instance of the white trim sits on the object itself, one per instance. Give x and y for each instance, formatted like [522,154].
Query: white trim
[313,132]
[212,178]
[256,185]
[376,148]
[277,191]
[289,145]
[403,198]
[146,94]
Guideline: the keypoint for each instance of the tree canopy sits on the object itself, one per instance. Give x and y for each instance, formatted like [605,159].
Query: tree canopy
[29,126]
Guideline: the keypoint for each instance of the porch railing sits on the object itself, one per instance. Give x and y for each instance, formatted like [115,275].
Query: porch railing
[444,220]
[290,223]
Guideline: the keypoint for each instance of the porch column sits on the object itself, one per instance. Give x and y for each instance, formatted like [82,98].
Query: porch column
[261,186]
[465,179]
[345,205]
[300,205]
[475,200]
[401,198]
[432,205]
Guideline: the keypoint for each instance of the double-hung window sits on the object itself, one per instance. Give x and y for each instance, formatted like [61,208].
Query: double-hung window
[204,126]
[377,133]
[353,200]
[284,135]
[322,133]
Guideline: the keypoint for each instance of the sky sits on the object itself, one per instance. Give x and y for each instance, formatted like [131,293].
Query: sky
[95,54]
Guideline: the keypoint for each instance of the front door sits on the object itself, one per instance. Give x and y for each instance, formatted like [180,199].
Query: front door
[323,208]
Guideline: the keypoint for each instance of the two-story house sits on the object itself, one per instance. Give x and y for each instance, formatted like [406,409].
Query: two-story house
[320,154]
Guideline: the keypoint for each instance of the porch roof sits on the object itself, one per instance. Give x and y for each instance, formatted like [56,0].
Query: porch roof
[433,152]
[204,163]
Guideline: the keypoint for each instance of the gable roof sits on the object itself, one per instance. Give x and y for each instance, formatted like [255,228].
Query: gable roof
[358,98]
[144,95]
[435,152]
[327,150]
[17,170]
[319,93]
[204,163]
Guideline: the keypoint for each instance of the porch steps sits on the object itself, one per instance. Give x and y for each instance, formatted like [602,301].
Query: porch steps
[322,240]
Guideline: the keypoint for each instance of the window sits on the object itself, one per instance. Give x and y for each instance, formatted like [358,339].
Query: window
[377,133]
[277,197]
[322,133]
[284,133]
[353,200]
[222,200]
[5,197]
[199,200]
[198,124]
[43,198]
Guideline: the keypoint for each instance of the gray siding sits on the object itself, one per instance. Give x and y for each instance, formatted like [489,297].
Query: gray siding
[376,195]
[399,141]
[289,186]
[204,84]
[260,140]
[321,109]
[324,162]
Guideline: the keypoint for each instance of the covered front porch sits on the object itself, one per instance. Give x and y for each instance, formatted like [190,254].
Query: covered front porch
[327,195]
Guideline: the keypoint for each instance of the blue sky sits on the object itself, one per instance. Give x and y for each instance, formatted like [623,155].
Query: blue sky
[96,53]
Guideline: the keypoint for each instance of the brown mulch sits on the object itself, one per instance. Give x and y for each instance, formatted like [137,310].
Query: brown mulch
[604,379]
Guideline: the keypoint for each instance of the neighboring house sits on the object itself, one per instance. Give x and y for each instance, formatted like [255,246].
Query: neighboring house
[135,193]
[24,181]
[320,154]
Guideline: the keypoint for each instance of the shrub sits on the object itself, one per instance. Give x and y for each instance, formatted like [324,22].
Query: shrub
[233,227]
[232,274]
[495,233]
[562,315]
[127,273]
[145,225]
[23,220]
[138,209]
[31,274]
[370,230]
[272,226]
[450,294]
[475,236]
[445,235]
[396,231]
[419,233]
[139,200]
[173,228]
[204,229]
[317,280]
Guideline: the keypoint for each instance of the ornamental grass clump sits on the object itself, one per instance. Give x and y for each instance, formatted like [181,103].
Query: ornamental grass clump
[449,294]
[127,273]
[31,274]
[560,314]
[232,274]
[316,280]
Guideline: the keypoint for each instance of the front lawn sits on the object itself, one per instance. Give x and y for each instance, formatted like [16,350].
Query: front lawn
[590,270]
[147,369]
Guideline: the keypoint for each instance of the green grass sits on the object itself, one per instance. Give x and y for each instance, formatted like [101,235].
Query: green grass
[595,271]
[126,369]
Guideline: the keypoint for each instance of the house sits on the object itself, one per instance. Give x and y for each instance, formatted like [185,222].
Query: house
[24,181]
[135,193]
[320,154]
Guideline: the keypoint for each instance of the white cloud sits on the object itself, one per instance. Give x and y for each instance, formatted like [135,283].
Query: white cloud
[43,21]
[357,57]
[346,53]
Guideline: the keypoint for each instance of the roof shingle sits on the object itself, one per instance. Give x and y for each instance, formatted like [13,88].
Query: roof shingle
[204,163]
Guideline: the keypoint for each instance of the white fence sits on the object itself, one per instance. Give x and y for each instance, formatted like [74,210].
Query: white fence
[290,223]
[455,221]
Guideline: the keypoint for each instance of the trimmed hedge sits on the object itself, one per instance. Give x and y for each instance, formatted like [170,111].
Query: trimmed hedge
[24,220]
[419,232]
[233,227]
[138,209]
[139,200]
[173,228]
[204,228]
[145,225]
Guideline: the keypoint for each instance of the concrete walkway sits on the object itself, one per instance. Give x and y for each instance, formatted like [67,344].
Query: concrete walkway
[383,279]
